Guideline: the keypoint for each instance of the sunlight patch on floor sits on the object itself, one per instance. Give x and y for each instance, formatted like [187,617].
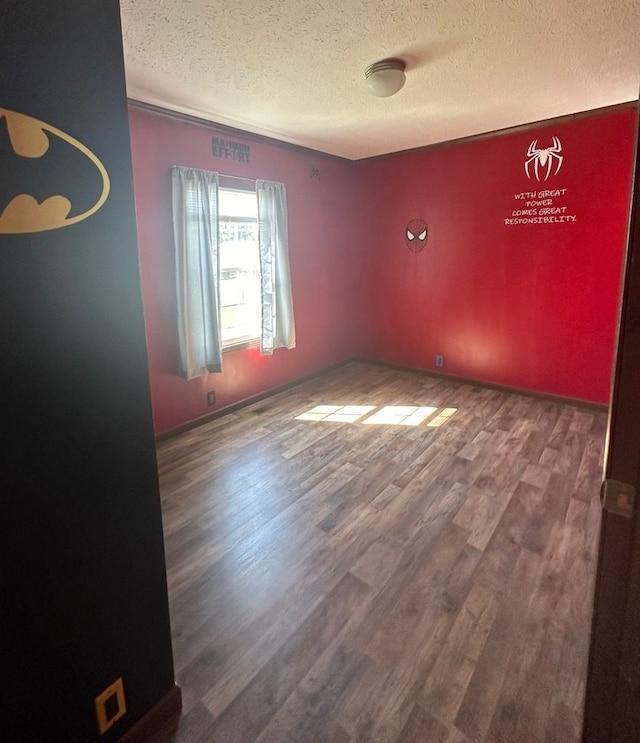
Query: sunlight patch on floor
[389,415]
[336,413]
[400,415]
[442,417]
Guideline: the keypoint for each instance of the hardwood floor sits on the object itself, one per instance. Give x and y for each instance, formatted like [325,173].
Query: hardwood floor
[345,581]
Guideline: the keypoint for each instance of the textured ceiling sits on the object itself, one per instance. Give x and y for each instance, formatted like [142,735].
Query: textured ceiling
[294,69]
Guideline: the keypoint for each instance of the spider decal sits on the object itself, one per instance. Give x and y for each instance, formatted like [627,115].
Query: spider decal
[543,160]
[416,235]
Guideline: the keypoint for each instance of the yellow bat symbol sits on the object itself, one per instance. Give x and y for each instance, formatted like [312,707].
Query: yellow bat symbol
[29,138]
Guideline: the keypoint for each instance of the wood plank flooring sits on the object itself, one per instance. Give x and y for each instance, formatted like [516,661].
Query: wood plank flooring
[344,581]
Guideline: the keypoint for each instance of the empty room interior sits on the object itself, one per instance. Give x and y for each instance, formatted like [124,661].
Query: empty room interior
[394,550]
[381,315]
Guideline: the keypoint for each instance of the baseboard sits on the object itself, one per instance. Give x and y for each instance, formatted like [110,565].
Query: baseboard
[189,425]
[561,399]
[160,722]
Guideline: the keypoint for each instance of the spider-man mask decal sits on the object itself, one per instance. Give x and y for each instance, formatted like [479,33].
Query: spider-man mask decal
[416,235]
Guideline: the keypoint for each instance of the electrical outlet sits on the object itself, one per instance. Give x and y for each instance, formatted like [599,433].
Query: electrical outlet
[439,360]
[211,398]
[110,706]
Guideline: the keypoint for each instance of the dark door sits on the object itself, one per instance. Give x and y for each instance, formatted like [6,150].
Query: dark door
[612,711]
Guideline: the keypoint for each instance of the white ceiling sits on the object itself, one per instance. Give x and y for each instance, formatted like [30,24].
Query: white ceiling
[294,69]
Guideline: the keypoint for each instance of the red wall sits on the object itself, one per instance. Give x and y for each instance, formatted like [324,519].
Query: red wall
[531,306]
[321,235]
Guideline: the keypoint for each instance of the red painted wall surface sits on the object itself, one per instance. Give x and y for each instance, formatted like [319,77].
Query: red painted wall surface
[525,305]
[322,231]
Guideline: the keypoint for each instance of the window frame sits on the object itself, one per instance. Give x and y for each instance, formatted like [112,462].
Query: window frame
[226,184]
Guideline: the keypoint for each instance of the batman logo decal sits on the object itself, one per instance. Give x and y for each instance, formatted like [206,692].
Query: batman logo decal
[48,179]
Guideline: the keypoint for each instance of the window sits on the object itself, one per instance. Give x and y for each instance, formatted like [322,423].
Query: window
[233,284]
[240,301]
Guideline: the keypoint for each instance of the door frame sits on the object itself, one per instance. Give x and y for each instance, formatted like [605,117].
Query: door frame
[612,711]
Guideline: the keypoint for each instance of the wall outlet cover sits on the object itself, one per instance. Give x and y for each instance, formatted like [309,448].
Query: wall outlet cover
[110,706]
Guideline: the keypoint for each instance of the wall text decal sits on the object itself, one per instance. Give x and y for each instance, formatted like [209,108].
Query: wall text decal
[541,207]
[231,150]
[546,205]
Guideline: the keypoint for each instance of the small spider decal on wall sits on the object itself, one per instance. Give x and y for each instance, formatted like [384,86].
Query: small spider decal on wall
[543,160]
[416,235]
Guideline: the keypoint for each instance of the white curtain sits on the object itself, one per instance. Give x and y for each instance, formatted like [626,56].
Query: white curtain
[195,231]
[278,329]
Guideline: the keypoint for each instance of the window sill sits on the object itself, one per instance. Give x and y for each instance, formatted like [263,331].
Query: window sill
[240,344]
